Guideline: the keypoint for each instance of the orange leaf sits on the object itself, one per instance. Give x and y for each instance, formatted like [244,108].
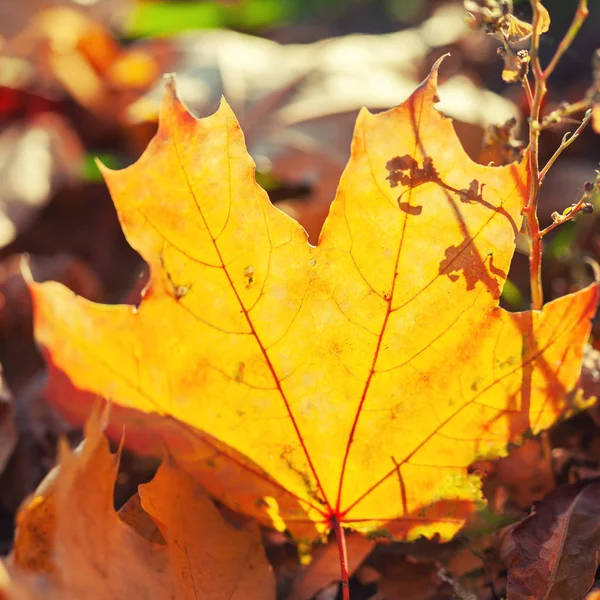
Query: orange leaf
[352,382]
[89,552]
[208,557]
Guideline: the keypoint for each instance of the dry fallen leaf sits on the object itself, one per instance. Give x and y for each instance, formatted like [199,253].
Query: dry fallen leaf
[522,477]
[70,531]
[404,580]
[349,383]
[557,546]
[324,567]
[207,557]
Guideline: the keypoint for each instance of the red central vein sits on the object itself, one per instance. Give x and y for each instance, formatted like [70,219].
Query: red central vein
[379,339]
[250,323]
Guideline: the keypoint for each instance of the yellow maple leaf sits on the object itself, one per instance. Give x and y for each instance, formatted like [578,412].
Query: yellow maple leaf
[349,383]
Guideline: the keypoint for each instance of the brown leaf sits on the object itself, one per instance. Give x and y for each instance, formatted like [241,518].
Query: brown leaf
[325,566]
[36,529]
[404,580]
[526,474]
[208,558]
[557,546]
[70,531]
[80,537]
[38,426]
[137,518]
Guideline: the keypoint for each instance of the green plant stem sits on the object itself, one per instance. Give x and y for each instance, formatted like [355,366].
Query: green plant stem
[568,139]
[580,16]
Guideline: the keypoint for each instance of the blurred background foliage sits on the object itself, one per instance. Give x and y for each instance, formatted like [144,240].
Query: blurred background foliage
[167,18]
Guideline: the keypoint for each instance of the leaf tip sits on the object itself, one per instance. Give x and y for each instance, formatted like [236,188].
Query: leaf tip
[363,113]
[225,109]
[430,84]
[102,167]
[172,105]
[170,90]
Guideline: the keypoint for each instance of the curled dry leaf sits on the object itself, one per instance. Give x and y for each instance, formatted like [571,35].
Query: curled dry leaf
[544,17]
[347,383]
[69,531]
[556,547]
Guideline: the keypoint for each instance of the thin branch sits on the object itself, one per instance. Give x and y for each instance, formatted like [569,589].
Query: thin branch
[566,110]
[578,20]
[567,140]
[564,219]
[530,210]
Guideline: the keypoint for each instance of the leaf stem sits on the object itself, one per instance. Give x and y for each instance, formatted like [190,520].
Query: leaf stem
[578,19]
[341,543]
[567,140]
